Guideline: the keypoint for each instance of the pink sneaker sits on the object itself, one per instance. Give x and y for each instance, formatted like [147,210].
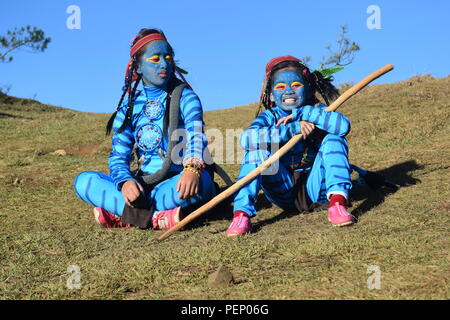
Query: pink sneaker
[241,224]
[338,215]
[166,219]
[108,220]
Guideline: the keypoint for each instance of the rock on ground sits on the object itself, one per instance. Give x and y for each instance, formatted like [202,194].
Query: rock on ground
[222,277]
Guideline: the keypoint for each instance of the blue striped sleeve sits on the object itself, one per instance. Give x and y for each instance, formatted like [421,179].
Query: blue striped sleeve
[122,151]
[263,132]
[192,116]
[330,121]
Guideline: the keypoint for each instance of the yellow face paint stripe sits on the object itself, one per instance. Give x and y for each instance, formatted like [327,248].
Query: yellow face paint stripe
[296,84]
[280,86]
[154,59]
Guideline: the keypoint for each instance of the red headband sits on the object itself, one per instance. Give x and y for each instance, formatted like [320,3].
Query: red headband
[143,41]
[269,67]
[272,63]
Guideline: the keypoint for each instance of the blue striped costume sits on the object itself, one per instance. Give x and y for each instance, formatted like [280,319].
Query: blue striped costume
[329,173]
[145,132]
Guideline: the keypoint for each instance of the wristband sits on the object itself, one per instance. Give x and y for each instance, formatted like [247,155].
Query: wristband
[192,170]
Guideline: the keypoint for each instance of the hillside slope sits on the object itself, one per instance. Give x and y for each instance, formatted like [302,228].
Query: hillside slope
[400,130]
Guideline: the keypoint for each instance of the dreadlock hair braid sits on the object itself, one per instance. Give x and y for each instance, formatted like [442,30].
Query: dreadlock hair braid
[109,125]
[265,100]
[126,89]
[130,105]
[326,89]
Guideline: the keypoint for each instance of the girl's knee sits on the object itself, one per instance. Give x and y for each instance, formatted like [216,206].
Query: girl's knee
[83,179]
[80,181]
[333,142]
[334,138]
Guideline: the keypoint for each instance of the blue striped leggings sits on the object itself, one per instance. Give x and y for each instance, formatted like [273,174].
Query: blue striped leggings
[98,189]
[329,174]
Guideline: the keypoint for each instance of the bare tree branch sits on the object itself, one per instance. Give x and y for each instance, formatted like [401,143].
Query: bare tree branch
[345,52]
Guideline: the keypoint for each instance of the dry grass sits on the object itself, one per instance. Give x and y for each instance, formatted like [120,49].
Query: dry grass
[398,129]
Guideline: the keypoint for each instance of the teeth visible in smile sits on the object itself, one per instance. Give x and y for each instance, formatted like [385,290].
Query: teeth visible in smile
[290,100]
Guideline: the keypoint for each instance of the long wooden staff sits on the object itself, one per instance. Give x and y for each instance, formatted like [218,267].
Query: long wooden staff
[277,155]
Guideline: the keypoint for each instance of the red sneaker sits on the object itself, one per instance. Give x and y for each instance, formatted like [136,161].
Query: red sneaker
[166,219]
[108,220]
[241,224]
[338,215]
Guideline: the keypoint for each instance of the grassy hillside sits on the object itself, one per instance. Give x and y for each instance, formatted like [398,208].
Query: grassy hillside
[401,130]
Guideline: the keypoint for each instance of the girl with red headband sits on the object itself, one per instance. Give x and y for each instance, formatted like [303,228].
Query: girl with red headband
[165,182]
[298,181]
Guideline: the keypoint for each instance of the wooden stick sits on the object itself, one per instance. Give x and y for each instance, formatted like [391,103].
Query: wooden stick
[277,155]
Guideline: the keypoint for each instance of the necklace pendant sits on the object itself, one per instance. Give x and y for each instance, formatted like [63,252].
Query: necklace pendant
[148,137]
[153,110]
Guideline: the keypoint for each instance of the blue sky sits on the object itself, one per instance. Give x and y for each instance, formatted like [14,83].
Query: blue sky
[223,44]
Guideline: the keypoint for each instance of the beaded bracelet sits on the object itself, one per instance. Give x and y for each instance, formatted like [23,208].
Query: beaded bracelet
[192,170]
[189,167]
[194,165]
[197,165]
[195,161]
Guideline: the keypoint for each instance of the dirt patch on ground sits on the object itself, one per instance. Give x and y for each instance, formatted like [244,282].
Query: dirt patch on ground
[84,149]
[31,179]
[60,181]
[444,206]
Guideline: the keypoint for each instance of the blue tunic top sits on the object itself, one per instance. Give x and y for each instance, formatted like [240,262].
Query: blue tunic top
[145,132]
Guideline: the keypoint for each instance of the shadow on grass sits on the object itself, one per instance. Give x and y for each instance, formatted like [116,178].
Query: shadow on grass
[224,210]
[7,115]
[283,215]
[399,174]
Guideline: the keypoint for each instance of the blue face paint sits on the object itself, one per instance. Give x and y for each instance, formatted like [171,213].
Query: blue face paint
[289,89]
[157,64]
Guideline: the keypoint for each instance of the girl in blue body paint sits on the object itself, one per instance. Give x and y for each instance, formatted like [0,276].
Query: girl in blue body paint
[292,108]
[140,125]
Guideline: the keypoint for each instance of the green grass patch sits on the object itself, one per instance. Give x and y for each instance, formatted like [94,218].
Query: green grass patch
[400,130]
